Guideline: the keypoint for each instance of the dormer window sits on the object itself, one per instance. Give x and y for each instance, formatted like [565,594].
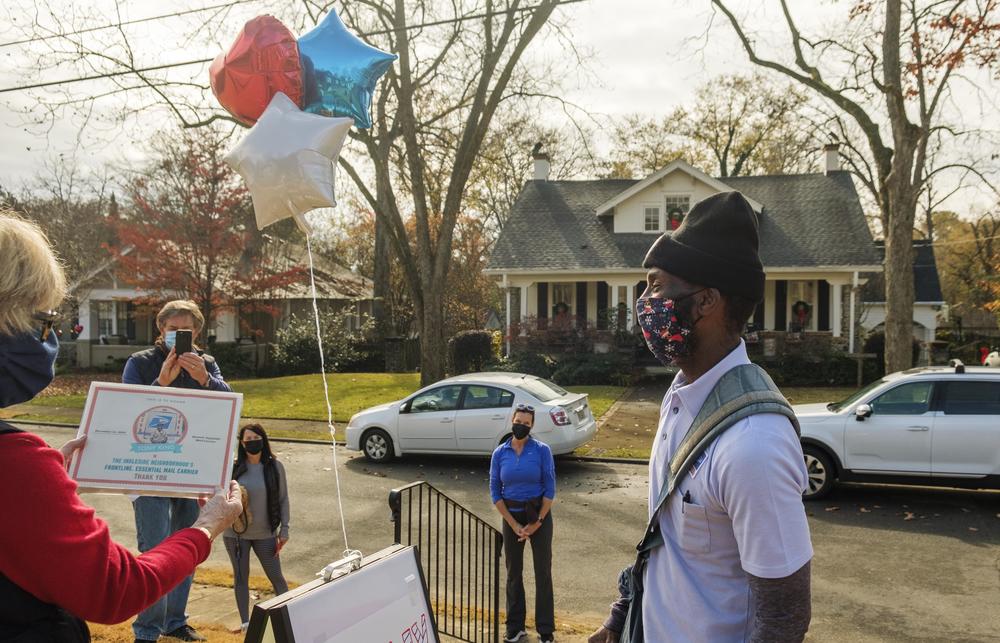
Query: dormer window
[652,218]
[677,207]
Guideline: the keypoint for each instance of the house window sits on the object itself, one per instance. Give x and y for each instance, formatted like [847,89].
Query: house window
[562,300]
[105,318]
[652,219]
[677,209]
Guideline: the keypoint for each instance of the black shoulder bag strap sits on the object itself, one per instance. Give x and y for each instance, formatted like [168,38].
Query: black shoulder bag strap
[741,392]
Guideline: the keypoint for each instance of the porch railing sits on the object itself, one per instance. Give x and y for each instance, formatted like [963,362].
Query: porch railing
[460,555]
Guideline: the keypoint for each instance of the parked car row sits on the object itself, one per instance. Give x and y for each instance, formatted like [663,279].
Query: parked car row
[936,426]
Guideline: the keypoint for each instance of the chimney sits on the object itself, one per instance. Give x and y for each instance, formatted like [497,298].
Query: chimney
[831,158]
[542,164]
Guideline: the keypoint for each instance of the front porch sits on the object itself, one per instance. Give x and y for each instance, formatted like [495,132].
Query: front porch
[805,312]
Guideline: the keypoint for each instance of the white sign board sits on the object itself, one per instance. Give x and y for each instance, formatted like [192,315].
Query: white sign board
[385,601]
[153,440]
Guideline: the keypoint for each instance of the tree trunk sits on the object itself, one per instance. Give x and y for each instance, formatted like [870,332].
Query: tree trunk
[380,285]
[433,349]
[899,286]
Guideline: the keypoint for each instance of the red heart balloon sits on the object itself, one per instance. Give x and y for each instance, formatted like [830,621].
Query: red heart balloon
[264,60]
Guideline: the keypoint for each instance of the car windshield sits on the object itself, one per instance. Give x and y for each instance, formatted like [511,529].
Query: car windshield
[836,406]
[543,390]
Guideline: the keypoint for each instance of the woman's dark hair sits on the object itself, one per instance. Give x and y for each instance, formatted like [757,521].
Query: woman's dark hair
[271,478]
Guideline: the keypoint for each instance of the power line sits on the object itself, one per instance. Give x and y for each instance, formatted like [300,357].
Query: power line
[116,25]
[201,61]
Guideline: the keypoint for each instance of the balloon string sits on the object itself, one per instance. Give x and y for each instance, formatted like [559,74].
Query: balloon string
[326,392]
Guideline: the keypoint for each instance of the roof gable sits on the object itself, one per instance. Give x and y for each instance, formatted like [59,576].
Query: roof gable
[652,179]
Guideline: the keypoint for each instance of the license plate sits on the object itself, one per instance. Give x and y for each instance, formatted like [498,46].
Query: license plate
[581,413]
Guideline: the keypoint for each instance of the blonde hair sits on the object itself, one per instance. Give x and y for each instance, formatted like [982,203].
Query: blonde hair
[181,307]
[32,279]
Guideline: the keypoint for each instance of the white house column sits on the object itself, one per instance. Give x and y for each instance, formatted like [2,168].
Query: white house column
[850,321]
[506,289]
[629,312]
[523,309]
[837,308]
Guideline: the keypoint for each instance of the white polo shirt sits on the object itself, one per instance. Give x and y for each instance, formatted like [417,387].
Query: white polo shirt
[739,510]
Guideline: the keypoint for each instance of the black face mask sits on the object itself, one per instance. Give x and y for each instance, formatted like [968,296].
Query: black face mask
[520,431]
[254,447]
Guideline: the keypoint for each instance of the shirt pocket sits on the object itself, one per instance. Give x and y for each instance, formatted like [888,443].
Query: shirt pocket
[694,532]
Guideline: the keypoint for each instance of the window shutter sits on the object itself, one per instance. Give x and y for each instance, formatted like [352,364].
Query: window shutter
[581,301]
[602,305]
[780,302]
[823,305]
[543,305]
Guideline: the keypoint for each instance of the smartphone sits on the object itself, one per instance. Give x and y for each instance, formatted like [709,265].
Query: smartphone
[182,344]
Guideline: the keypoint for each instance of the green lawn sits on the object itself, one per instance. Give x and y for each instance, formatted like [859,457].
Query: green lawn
[300,397]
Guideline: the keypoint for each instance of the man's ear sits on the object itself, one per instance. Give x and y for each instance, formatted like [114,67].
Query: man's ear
[710,302]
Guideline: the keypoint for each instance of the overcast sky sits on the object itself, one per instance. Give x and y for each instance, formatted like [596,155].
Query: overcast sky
[647,56]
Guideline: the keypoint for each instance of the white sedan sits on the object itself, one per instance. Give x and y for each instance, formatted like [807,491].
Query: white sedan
[926,426]
[470,415]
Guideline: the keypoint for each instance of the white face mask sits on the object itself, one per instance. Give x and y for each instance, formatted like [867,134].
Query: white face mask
[170,338]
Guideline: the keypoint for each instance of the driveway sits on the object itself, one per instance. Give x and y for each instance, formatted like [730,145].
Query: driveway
[892,564]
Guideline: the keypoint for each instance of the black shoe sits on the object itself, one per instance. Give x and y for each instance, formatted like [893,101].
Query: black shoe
[185,633]
[144,641]
[514,635]
[546,638]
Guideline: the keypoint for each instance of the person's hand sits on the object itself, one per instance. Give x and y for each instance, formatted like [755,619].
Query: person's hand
[604,635]
[528,530]
[67,450]
[170,369]
[221,511]
[281,545]
[194,364]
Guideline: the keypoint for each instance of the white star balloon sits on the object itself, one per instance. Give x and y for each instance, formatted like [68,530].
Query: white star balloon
[288,160]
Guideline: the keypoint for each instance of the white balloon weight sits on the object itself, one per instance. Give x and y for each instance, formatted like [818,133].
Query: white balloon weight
[288,161]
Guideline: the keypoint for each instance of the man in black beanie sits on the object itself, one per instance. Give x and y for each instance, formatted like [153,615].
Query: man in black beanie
[726,554]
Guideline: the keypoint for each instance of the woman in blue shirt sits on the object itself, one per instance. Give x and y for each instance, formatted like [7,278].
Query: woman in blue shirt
[522,486]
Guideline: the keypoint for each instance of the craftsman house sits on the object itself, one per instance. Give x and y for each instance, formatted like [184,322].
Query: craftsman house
[571,251]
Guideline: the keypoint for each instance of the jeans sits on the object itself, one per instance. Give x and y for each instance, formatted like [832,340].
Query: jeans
[155,520]
[541,554]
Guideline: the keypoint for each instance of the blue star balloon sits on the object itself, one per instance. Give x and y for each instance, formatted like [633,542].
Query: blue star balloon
[340,71]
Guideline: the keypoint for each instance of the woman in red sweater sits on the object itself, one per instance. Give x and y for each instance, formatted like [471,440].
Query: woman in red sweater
[58,564]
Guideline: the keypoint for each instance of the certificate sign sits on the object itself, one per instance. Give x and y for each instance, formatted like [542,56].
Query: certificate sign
[157,441]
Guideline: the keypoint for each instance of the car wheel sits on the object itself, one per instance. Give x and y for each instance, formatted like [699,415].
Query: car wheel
[377,445]
[820,470]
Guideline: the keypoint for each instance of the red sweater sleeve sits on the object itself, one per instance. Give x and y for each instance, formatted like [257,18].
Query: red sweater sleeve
[54,547]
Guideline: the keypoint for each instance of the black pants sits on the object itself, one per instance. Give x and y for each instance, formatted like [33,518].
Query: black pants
[541,554]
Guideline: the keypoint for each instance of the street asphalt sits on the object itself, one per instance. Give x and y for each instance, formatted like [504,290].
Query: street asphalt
[892,563]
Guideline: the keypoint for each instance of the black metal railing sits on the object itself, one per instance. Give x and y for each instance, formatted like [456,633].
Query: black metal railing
[460,554]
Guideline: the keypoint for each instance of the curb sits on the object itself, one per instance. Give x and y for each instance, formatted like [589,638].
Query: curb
[577,458]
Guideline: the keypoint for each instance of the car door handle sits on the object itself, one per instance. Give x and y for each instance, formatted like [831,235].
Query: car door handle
[918,428]
[498,417]
[447,420]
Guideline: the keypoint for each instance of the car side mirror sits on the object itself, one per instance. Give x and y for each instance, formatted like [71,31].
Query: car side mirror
[863,411]
[405,408]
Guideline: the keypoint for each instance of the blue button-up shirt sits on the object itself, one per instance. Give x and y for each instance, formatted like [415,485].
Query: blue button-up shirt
[522,477]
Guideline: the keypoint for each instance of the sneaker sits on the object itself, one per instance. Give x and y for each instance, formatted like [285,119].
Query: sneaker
[512,636]
[546,638]
[185,633]
[144,641]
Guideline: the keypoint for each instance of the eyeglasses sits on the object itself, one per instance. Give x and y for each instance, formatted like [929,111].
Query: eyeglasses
[46,318]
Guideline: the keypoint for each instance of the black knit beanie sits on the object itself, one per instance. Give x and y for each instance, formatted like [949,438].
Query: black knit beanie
[715,246]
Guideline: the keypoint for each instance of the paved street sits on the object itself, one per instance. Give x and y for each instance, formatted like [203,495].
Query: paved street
[892,564]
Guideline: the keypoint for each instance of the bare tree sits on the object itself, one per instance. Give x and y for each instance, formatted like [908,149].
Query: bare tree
[901,58]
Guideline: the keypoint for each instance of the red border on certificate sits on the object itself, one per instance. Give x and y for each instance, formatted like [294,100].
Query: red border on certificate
[174,392]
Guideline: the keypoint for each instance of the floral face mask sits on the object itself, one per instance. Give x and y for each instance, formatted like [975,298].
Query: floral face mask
[666,334]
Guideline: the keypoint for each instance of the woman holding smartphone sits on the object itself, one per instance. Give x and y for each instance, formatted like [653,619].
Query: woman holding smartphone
[173,361]
[263,527]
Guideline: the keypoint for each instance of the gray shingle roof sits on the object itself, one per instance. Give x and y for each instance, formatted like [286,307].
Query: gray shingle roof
[926,283]
[807,220]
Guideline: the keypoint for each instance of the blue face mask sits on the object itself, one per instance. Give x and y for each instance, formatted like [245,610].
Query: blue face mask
[27,366]
[170,338]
